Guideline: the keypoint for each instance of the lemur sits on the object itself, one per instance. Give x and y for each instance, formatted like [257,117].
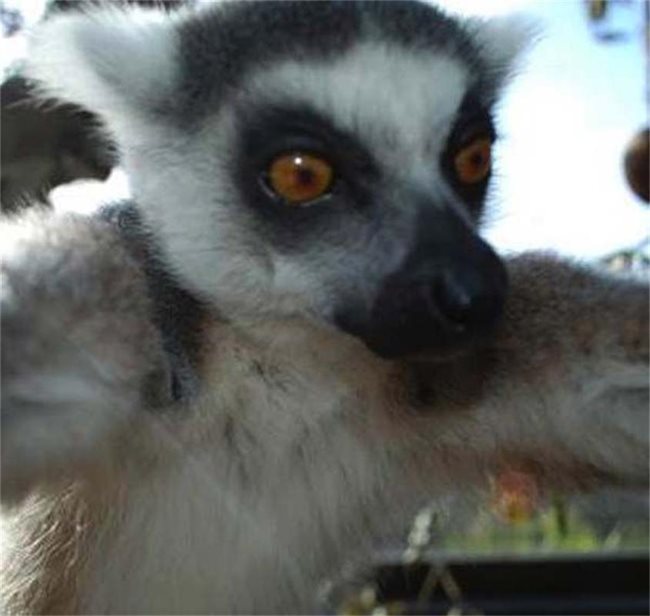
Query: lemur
[214,394]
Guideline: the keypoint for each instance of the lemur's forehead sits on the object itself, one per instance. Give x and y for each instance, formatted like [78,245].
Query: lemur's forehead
[222,46]
[380,92]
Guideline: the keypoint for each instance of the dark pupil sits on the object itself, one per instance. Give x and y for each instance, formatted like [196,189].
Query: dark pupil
[304,177]
[477,159]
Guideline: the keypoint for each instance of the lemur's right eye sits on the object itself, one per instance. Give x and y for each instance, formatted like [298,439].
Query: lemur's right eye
[473,161]
[299,177]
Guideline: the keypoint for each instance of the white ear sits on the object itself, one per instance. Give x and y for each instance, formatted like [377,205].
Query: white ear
[502,40]
[108,60]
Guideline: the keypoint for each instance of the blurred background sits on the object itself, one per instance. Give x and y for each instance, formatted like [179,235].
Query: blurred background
[580,95]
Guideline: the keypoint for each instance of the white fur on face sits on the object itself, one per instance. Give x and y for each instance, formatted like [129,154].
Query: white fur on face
[383,94]
[502,40]
[399,104]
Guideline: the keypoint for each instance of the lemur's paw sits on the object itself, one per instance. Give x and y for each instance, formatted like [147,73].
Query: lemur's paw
[78,347]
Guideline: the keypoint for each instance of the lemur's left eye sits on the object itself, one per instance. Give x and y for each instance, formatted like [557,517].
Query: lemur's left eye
[473,161]
[299,177]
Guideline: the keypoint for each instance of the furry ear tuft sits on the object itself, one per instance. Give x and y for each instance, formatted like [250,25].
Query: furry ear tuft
[502,41]
[107,60]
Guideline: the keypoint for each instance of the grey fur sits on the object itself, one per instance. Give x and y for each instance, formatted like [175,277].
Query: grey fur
[252,34]
[59,319]
[540,394]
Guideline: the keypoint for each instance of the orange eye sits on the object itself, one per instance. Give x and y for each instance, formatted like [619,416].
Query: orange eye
[299,178]
[472,163]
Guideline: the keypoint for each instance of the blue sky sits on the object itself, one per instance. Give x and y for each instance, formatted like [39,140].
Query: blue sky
[565,122]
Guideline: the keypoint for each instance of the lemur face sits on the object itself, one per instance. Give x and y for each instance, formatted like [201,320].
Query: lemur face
[329,159]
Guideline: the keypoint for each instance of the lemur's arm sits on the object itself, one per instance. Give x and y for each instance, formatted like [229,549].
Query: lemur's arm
[562,387]
[80,353]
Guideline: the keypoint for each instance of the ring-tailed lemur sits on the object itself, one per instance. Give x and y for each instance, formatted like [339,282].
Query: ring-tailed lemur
[210,399]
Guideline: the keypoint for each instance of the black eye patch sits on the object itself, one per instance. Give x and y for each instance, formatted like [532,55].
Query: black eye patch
[473,124]
[268,132]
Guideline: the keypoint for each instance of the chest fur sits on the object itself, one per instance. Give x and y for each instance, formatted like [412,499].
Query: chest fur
[251,495]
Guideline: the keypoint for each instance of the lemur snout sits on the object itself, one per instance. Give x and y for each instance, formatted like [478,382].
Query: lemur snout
[449,291]
[437,306]
[468,300]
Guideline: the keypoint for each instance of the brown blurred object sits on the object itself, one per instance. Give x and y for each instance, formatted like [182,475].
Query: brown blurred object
[637,164]
[46,145]
[515,496]
[597,9]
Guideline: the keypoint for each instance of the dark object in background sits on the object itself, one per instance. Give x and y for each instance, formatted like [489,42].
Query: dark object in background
[637,164]
[605,26]
[11,20]
[46,145]
[561,584]
[597,9]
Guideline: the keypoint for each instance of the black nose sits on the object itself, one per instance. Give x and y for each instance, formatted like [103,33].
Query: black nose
[433,306]
[448,291]
[467,299]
